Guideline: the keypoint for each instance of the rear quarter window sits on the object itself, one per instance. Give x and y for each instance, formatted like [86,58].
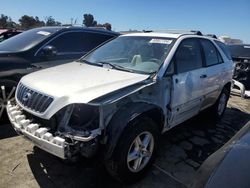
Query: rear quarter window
[212,56]
[224,48]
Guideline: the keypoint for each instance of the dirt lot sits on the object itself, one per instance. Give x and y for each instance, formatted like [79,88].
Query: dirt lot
[183,149]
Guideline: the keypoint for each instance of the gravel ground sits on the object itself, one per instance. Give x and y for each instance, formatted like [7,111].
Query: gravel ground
[182,151]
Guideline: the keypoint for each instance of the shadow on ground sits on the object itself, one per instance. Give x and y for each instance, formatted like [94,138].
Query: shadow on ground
[6,131]
[187,146]
[50,172]
[182,151]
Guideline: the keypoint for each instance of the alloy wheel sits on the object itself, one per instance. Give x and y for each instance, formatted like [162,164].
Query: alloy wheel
[140,151]
[7,94]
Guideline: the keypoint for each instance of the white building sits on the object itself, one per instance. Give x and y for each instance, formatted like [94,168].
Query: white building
[228,40]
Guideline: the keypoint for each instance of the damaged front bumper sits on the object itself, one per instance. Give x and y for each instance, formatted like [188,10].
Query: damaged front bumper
[41,137]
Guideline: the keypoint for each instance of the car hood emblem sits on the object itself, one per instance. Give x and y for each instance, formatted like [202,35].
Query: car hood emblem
[26,96]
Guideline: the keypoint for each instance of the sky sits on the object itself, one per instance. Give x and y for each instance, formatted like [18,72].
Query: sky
[220,17]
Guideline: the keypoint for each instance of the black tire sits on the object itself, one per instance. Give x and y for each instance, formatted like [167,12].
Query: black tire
[117,165]
[215,111]
[8,85]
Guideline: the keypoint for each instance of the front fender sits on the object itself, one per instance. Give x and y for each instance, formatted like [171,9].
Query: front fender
[122,119]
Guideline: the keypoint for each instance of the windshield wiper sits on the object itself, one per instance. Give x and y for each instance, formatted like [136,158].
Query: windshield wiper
[88,62]
[115,66]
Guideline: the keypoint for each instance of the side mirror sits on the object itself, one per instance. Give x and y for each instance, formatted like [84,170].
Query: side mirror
[49,51]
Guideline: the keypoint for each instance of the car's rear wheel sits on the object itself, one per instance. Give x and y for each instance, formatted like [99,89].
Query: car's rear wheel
[7,93]
[220,106]
[135,150]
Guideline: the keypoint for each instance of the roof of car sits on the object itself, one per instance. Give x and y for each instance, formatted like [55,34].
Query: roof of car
[63,28]
[96,29]
[170,34]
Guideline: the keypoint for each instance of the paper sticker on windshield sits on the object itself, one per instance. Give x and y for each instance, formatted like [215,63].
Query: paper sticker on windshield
[246,46]
[45,33]
[160,41]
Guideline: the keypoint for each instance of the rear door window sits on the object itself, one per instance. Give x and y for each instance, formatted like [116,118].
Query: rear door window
[78,42]
[224,48]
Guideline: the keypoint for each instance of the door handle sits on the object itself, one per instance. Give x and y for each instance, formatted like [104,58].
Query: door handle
[203,76]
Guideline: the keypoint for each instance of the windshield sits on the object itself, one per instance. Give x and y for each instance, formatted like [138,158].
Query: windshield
[26,40]
[134,53]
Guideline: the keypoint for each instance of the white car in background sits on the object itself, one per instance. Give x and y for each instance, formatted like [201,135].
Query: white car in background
[120,97]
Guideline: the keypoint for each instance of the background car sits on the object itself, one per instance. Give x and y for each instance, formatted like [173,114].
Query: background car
[40,48]
[241,57]
[8,33]
[229,166]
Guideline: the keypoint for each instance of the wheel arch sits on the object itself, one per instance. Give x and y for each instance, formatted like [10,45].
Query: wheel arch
[123,118]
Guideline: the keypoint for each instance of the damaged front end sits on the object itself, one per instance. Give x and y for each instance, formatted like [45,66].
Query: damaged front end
[72,130]
[68,125]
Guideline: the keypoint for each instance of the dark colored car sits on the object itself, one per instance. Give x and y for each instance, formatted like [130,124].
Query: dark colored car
[228,167]
[241,57]
[8,33]
[40,48]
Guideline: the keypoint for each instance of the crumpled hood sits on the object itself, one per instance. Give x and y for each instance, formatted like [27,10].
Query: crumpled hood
[80,82]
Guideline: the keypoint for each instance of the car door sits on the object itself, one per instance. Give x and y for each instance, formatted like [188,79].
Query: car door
[69,46]
[187,90]
[215,72]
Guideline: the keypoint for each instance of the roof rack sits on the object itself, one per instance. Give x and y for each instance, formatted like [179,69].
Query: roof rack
[175,31]
[196,32]
[147,31]
[212,35]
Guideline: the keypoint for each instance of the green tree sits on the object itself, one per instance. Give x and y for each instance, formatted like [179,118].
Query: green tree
[50,21]
[6,22]
[39,23]
[108,26]
[3,21]
[89,21]
[28,22]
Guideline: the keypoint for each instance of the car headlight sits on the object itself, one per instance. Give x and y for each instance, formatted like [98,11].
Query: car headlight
[84,117]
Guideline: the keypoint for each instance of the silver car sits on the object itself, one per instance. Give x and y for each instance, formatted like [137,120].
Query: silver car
[120,97]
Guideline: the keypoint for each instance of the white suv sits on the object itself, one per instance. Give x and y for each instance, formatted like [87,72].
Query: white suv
[120,97]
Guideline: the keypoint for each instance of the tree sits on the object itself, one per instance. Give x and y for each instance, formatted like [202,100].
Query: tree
[3,21]
[28,22]
[108,26]
[50,21]
[89,21]
[6,22]
[39,23]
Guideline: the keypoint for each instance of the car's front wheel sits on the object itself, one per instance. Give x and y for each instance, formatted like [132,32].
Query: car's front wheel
[135,150]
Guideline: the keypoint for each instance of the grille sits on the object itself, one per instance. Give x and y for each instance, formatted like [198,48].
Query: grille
[33,100]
